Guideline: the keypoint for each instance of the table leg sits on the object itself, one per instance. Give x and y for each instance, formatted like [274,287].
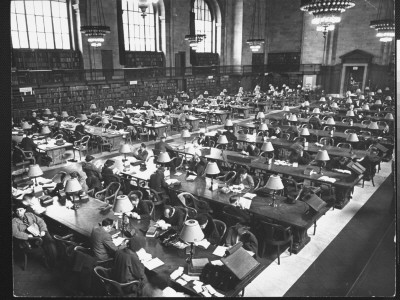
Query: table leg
[300,239]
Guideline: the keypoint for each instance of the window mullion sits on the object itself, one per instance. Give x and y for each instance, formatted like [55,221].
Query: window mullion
[26,27]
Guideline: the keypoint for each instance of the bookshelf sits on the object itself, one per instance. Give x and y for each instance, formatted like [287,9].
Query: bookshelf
[41,59]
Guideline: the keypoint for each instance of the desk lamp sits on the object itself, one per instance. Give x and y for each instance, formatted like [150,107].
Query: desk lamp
[146,103]
[349,101]
[163,158]
[350,113]
[274,183]
[122,205]
[110,108]
[293,118]
[352,138]
[45,131]
[64,114]
[185,134]
[129,111]
[191,233]
[322,99]
[286,108]
[388,98]
[379,91]
[93,106]
[47,112]
[224,91]
[306,103]
[125,149]
[222,140]
[322,157]
[263,127]
[35,171]
[330,121]
[316,110]
[365,106]
[260,116]
[378,102]
[212,169]
[26,126]
[73,187]
[128,102]
[228,123]
[389,116]
[373,126]
[104,121]
[334,105]
[269,149]
[83,117]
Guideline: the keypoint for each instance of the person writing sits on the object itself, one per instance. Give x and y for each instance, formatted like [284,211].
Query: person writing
[157,181]
[237,210]
[140,209]
[101,240]
[210,231]
[141,152]
[243,178]
[241,233]
[172,216]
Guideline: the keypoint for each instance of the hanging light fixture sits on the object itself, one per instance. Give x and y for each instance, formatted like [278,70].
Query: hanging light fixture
[255,42]
[95,33]
[326,13]
[384,22]
[193,38]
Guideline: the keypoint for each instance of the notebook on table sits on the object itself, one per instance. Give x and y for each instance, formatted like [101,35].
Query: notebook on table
[239,261]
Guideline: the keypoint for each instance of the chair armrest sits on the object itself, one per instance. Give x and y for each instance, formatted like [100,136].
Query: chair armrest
[99,192]
[28,152]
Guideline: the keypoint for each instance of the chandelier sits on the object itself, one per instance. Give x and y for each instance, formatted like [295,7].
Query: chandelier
[254,42]
[384,25]
[144,4]
[326,13]
[193,38]
[95,33]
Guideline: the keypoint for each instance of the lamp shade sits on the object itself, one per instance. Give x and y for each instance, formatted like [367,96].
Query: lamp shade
[263,127]
[93,106]
[128,102]
[388,98]
[322,99]
[25,125]
[122,204]
[159,98]
[352,137]
[83,117]
[367,88]
[34,171]
[358,91]
[316,110]
[387,88]
[389,116]
[72,186]
[365,107]
[104,120]
[45,130]
[274,183]
[110,108]
[293,118]
[306,103]
[372,93]
[228,122]
[222,94]
[304,132]
[205,92]
[334,105]
[224,91]
[260,115]
[125,149]
[267,146]
[163,158]
[330,121]
[185,133]
[48,112]
[64,114]
[222,139]
[286,108]
[350,113]
[185,107]
[349,101]
[322,155]
[146,103]
[379,91]
[212,168]
[362,97]
[373,125]
[191,232]
[378,102]
[129,111]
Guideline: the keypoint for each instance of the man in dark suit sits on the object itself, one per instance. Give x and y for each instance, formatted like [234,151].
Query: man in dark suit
[141,152]
[241,233]
[201,140]
[161,146]
[106,170]
[88,166]
[127,265]
[140,209]
[173,216]
[27,143]
[210,231]
[236,210]
[101,241]
[157,181]
[252,149]
[197,165]
[80,130]
[316,122]
[231,137]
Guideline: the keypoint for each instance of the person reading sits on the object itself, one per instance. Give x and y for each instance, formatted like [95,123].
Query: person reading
[141,152]
[101,240]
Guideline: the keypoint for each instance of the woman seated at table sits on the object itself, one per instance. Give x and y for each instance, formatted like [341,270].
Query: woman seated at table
[242,177]
[298,155]
[241,233]
[197,165]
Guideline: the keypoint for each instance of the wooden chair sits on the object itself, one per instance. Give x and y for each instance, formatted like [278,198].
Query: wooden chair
[109,194]
[350,130]
[291,187]
[27,157]
[327,141]
[184,210]
[81,145]
[114,288]
[26,248]
[275,235]
[344,145]
[102,143]
[65,246]
[228,177]
[221,227]
[150,205]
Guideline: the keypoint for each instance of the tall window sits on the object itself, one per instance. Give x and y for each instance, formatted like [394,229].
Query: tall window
[204,25]
[40,24]
[139,32]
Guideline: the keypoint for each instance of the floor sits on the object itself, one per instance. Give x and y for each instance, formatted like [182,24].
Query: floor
[318,270]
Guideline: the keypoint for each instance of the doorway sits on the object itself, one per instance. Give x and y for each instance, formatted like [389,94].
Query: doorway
[353,77]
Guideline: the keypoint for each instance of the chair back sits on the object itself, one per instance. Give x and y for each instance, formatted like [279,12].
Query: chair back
[150,205]
[275,234]
[230,220]
[182,209]
[114,288]
[221,227]
[350,130]
[66,245]
[327,141]
[344,145]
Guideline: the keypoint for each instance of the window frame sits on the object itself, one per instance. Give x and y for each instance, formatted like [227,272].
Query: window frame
[213,26]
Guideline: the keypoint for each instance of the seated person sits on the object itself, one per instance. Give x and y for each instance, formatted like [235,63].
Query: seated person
[294,131]
[276,132]
[140,209]
[315,121]
[244,178]
[32,202]
[157,284]
[27,143]
[59,179]
[127,266]
[27,227]
[237,210]
[80,130]
[173,216]
[101,240]
[157,181]
[201,140]
[107,168]
[197,165]
[241,233]
[89,166]
[252,150]
[161,146]
[298,155]
[142,153]
[93,182]
[182,120]
[210,231]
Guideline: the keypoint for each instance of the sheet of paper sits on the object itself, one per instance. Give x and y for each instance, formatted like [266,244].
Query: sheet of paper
[210,289]
[198,288]
[190,278]
[198,282]
[203,243]
[217,262]
[175,274]
[218,294]
[220,251]
[206,294]
[244,202]
[118,240]
[178,173]
[153,263]
[181,281]
[249,195]
[191,178]
[171,181]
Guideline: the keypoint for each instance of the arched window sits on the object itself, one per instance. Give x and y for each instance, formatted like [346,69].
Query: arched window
[40,24]
[139,33]
[204,24]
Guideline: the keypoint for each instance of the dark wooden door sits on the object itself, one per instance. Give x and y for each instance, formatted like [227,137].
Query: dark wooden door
[180,63]
[107,64]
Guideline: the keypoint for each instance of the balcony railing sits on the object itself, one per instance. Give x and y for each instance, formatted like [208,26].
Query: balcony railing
[67,77]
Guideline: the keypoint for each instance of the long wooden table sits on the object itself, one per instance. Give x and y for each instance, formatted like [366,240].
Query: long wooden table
[56,152]
[88,215]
